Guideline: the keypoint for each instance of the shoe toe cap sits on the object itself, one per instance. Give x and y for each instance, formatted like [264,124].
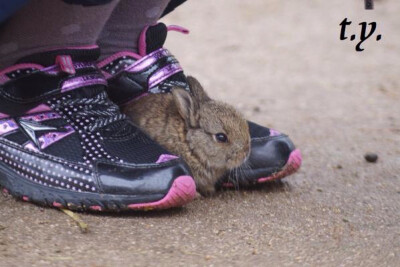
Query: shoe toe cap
[272,151]
[140,180]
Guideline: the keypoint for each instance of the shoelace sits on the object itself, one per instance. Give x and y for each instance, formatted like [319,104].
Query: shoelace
[91,113]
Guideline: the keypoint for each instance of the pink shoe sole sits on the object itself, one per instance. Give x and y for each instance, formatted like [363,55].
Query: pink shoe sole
[291,166]
[183,191]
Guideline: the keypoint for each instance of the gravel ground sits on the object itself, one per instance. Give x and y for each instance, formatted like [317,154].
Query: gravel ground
[282,64]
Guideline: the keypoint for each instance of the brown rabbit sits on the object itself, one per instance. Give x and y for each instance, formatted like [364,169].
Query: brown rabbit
[211,136]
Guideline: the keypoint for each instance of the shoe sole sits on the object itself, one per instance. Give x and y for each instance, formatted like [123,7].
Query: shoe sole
[291,166]
[181,192]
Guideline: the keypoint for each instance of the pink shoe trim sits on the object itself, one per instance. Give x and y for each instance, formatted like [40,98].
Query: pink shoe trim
[55,69]
[4,79]
[65,63]
[30,146]
[106,75]
[183,191]
[7,126]
[148,60]
[273,132]
[57,205]
[50,138]
[291,166]
[42,117]
[165,158]
[40,108]
[3,115]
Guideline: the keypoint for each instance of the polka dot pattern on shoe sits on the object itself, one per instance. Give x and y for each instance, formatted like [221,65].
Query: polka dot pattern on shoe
[19,73]
[51,172]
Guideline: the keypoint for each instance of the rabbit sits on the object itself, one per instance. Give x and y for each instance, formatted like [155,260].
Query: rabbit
[211,136]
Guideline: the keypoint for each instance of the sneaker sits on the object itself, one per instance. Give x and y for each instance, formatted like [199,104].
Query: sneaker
[155,70]
[63,143]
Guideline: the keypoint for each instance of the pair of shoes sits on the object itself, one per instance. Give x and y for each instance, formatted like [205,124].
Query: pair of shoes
[63,143]
[155,70]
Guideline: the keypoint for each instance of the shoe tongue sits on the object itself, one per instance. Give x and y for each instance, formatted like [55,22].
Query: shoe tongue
[77,54]
[152,38]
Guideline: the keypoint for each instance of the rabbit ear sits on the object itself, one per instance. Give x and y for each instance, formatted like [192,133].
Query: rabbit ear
[186,105]
[197,90]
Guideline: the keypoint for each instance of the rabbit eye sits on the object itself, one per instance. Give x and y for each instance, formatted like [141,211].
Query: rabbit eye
[221,137]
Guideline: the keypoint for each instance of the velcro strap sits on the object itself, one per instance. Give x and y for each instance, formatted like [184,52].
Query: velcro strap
[81,81]
[148,60]
[159,65]
[164,73]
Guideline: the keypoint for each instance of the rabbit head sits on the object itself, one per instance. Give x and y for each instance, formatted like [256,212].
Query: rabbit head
[217,133]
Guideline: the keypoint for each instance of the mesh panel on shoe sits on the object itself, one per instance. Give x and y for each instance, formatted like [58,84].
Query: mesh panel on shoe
[68,148]
[55,123]
[17,137]
[136,148]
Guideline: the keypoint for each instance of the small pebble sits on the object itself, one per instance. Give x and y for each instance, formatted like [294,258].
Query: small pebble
[371,157]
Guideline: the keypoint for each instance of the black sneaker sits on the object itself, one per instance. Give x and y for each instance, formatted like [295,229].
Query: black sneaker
[154,70]
[63,143]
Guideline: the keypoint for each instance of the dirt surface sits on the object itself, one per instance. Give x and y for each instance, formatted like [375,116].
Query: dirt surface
[282,64]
